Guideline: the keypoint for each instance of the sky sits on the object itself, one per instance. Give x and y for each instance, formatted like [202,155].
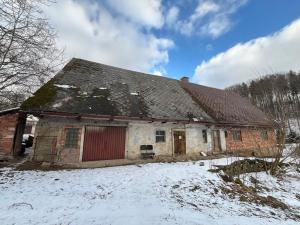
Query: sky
[217,43]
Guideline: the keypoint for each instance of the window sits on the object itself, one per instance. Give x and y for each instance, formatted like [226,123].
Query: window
[71,140]
[28,129]
[264,134]
[237,135]
[226,133]
[160,136]
[204,136]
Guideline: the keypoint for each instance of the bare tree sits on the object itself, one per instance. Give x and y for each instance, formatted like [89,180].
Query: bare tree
[28,54]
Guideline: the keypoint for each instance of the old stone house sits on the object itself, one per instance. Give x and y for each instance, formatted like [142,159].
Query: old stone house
[90,112]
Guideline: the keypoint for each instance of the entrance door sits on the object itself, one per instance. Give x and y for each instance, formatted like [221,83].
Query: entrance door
[104,143]
[179,142]
[216,141]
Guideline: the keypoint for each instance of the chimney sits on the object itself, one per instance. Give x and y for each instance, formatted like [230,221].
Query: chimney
[184,79]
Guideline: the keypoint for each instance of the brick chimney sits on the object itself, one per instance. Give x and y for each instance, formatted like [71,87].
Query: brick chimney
[184,79]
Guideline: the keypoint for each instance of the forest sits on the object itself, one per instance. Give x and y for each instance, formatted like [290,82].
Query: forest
[278,95]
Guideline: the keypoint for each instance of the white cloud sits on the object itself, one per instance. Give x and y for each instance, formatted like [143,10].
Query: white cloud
[144,12]
[274,53]
[172,15]
[157,73]
[210,18]
[205,8]
[88,30]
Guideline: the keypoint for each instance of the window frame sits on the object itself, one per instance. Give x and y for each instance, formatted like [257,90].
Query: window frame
[237,135]
[160,134]
[204,136]
[264,134]
[71,142]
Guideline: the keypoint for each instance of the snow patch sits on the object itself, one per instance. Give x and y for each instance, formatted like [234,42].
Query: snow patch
[158,193]
[65,86]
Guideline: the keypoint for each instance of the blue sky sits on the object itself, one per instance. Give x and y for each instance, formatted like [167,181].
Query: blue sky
[257,18]
[214,42]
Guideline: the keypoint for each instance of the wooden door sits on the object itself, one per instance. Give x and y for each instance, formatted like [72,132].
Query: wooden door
[104,143]
[216,141]
[179,142]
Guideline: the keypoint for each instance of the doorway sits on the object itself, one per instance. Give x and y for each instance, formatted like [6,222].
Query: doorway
[216,141]
[179,142]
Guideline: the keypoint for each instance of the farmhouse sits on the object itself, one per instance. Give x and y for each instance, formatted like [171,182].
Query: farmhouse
[92,112]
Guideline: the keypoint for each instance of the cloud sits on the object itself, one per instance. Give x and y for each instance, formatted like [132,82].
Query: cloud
[210,18]
[157,73]
[89,30]
[172,15]
[143,12]
[274,53]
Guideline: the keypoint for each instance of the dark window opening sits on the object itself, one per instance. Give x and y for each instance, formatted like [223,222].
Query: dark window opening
[28,129]
[204,136]
[237,135]
[71,140]
[160,136]
[264,134]
[226,134]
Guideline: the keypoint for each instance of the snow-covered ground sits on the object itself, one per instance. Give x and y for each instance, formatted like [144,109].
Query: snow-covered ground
[158,193]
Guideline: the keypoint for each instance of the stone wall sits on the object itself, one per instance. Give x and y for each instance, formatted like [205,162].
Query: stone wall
[8,125]
[252,140]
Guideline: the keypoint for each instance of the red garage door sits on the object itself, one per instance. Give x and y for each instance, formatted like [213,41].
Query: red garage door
[103,143]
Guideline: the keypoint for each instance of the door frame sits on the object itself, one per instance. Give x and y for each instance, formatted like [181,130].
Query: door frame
[219,140]
[173,139]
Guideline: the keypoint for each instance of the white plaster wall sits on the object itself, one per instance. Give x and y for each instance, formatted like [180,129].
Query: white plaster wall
[141,133]
[194,139]
[223,139]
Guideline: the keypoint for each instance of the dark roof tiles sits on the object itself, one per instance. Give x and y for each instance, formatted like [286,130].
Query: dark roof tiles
[226,106]
[93,88]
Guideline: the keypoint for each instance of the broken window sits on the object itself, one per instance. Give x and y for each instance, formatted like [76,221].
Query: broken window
[204,136]
[237,135]
[264,134]
[71,140]
[160,136]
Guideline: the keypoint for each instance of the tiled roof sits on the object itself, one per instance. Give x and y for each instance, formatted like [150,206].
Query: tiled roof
[91,88]
[226,106]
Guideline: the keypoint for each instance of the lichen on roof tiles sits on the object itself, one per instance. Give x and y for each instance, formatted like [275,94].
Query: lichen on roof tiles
[114,91]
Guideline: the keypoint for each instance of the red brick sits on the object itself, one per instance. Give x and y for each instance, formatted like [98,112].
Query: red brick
[251,139]
[8,123]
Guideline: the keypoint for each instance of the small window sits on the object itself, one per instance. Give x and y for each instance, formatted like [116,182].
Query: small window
[226,133]
[71,138]
[237,135]
[160,136]
[28,129]
[264,134]
[204,136]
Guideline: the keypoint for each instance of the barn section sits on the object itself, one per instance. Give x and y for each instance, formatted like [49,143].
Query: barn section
[12,125]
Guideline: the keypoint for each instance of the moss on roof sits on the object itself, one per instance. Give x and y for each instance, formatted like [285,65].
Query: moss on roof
[42,97]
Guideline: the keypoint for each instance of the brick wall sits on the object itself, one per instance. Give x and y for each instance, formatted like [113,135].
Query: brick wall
[8,124]
[251,140]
